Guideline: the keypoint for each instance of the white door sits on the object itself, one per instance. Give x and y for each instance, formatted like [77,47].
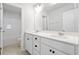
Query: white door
[28,43]
[11,24]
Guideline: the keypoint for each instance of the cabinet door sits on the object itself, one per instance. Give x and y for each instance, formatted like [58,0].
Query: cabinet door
[26,39]
[45,50]
[67,48]
[28,43]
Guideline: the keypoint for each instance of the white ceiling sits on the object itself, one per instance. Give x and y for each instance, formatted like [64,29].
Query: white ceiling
[8,7]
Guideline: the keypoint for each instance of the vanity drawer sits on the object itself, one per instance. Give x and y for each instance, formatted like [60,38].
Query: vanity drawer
[36,46]
[47,50]
[67,48]
[36,38]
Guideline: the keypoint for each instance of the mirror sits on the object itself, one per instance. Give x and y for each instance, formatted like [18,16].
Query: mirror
[60,17]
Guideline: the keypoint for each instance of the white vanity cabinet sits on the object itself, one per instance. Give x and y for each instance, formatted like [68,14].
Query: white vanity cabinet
[61,46]
[40,45]
[28,43]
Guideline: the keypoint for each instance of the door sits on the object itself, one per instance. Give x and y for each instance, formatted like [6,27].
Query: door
[11,25]
[28,43]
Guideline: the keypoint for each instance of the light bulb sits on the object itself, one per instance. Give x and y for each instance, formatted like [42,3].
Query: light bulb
[38,8]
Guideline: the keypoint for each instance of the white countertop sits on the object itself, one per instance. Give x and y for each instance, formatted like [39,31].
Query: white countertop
[72,38]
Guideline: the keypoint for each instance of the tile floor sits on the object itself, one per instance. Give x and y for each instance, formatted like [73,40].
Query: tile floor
[14,50]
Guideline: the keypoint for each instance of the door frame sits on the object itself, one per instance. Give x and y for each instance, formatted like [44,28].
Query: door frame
[1,28]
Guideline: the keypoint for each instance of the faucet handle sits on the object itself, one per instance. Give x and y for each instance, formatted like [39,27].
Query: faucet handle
[37,30]
[61,33]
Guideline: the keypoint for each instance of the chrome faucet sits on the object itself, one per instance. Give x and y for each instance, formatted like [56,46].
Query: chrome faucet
[37,30]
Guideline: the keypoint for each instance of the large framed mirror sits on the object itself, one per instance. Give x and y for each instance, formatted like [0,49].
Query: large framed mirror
[60,17]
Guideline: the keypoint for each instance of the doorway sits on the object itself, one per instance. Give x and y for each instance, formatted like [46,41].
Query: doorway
[11,29]
[1,17]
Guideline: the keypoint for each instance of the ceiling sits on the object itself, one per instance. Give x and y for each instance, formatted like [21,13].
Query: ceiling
[7,7]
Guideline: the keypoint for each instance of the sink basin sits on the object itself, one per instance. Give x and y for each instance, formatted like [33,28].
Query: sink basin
[58,35]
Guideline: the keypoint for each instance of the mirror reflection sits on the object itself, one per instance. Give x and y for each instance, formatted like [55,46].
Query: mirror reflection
[57,16]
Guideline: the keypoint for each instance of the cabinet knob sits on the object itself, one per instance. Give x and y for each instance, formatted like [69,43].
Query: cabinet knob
[50,50]
[35,38]
[35,45]
[27,38]
[53,51]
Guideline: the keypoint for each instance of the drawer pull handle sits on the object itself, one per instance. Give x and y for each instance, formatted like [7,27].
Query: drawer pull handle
[50,50]
[53,51]
[27,38]
[35,38]
[35,45]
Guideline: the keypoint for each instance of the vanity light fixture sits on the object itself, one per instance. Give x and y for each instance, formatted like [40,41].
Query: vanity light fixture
[38,8]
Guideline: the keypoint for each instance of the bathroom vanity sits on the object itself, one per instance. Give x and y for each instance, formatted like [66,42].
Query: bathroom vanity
[51,40]
[51,43]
